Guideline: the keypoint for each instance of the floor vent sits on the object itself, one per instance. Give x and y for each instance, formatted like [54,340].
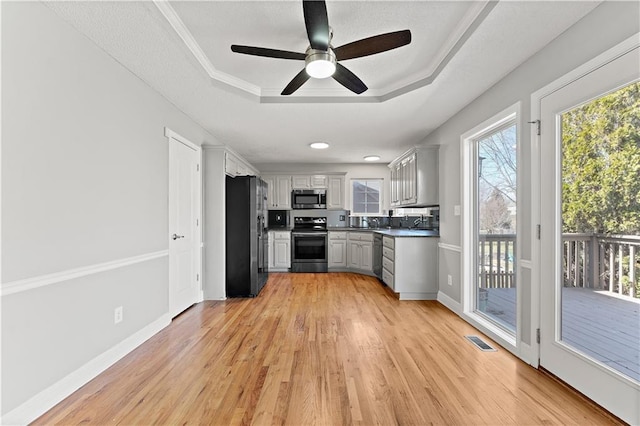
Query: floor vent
[480,344]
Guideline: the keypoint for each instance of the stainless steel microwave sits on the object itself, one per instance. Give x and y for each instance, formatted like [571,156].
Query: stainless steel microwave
[309,199]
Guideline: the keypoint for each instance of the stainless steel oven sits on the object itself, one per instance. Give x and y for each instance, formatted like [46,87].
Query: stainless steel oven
[309,199]
[309,245]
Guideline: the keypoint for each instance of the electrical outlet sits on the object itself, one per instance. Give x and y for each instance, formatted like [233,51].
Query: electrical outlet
[449,280]
[456,210]
[117,315]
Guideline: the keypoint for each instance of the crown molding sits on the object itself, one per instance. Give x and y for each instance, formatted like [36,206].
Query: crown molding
[472,19]
[185,35]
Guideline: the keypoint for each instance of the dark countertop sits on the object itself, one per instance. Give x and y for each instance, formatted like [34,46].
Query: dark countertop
[407,232]
[391,232]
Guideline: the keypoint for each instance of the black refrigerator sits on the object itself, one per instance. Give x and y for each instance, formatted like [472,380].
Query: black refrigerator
[247,239]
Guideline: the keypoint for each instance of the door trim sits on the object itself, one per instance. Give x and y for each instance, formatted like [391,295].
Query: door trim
[536,99]
[198,243]
[510,342]
[173,135]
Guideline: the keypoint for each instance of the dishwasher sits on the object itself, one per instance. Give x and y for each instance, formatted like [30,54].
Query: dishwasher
[377,255]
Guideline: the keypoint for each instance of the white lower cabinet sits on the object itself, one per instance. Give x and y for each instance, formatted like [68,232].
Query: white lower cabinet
[360,251]
[337,250]
[388,261]
[409,267]
[270,251]
[279,250]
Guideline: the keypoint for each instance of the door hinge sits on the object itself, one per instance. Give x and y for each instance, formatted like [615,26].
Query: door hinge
[538,231]
[537,335]
[537,123]
[197,222]
[197,277]
[198,165]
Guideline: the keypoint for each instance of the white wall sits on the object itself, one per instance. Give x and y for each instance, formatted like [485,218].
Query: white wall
[353,171]
[84,181]
[606,26]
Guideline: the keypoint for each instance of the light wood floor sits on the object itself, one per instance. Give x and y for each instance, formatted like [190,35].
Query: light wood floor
[321,349]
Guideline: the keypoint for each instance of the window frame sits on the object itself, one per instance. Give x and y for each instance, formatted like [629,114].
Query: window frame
[380,200]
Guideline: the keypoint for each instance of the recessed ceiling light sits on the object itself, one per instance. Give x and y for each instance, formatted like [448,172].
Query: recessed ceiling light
[319,145]
[372,158]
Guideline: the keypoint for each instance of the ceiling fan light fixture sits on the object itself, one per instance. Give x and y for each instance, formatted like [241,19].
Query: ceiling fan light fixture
[372,158]
[319,145]
[320,64]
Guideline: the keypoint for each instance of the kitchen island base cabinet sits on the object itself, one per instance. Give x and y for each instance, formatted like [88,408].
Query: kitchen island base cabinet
[410,267]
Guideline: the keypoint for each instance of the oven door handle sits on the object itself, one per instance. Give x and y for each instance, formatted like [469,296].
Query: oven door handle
[309,234]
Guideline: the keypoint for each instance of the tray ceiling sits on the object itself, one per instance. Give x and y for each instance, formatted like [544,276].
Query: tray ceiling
[182,50]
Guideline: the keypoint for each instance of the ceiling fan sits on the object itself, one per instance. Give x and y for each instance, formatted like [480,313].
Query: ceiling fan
[321,59]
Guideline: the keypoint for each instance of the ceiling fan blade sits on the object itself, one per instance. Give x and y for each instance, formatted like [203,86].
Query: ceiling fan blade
[297,81]
[317,23]
[372,45]
[269,53]
[349,80]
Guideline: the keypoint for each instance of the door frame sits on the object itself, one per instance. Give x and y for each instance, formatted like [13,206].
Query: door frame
[198,241]
[604,58]
[513,343]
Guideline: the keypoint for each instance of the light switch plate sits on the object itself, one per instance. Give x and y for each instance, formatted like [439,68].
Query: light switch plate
[456,210]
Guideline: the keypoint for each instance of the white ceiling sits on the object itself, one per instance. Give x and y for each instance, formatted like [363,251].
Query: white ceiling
[458,51]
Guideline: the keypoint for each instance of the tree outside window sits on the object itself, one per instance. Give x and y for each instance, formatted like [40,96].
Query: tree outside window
[366,196]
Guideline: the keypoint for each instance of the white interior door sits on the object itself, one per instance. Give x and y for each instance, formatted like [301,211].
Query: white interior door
[184,221]
[575,324]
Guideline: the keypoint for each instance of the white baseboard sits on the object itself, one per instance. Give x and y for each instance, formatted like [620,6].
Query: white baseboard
[416,296]
[45,400]
[447,301]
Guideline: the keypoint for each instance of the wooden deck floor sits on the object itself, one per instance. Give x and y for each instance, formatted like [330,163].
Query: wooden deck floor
[605,327]
[321,349]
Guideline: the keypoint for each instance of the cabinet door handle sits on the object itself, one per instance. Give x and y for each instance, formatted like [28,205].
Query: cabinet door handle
[176,236]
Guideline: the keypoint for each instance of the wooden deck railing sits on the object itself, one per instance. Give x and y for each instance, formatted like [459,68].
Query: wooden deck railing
[605,262]
[497,254]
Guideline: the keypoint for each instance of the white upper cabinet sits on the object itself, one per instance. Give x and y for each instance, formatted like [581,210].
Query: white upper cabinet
[309,181]
[395,185]
[283,196]
[234,165]
[414,178]
[335,192]
[280,187]
[301,182]
[279,191]
[318,181]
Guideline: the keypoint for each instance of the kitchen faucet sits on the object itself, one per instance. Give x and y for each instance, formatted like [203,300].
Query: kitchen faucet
[420,220]
[376,220]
